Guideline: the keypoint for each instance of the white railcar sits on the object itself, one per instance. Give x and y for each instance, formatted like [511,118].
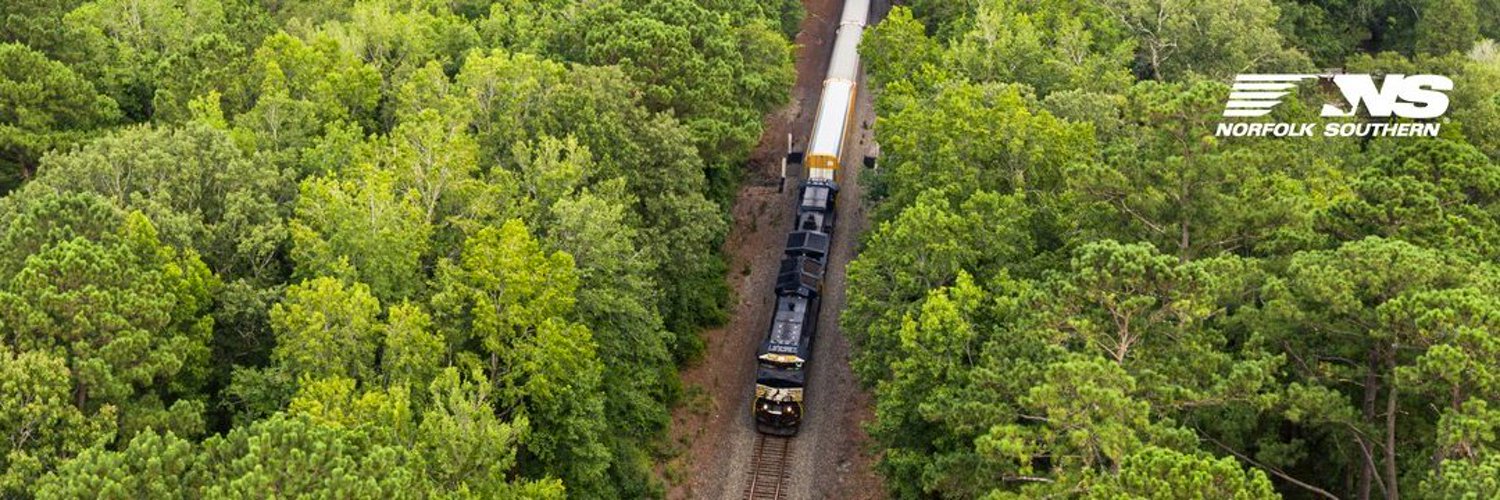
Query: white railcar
[836,106]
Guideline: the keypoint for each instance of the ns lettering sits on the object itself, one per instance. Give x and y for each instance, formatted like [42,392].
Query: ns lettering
[1415,96]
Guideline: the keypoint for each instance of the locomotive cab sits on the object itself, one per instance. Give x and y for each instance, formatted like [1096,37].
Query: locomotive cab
[780,375]
[778,397]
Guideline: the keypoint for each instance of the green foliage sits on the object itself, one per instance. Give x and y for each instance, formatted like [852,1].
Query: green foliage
[212,66]
[298,457]
[1039,148]
[95,287]
[127,48]
[195,186]
[396,39]
[38,418]
[1329,32]
[929,245]
[44,105]
[1161,473]
[295,457]
[1326,31]
[35,23]
[154,293]
[1360,302]
[899,45]
[363,229]
[1168,180]
[300,85]
[1212,38]
[435,249]
[1447,26]
[1464,479]
[1063,45]
[947,17]
[1154,311]
[512,301]
[1436,193]
[325,328]
[521,100]
[465,444]
[1475,105]
[1488,12]
[151,465]
[613,300]
[413,352]
[716,71]
[519,25]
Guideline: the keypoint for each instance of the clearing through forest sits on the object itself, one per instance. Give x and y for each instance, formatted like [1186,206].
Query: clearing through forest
[829,458]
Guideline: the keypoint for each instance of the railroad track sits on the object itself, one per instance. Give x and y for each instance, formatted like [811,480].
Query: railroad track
[770,469]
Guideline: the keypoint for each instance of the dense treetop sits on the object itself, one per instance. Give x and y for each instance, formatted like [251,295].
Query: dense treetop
[364,248]
[414,248]
[1073,288]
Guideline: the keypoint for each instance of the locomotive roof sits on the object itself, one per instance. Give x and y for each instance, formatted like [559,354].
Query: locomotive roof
[820,183]
[816,196]
[810,243]
[787,327]
[811,220]
[799,275]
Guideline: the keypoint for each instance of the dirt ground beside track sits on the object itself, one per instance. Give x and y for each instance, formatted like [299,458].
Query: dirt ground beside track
[830,457]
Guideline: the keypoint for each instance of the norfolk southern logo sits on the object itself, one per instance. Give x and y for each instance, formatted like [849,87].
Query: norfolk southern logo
[1416,97]
[1255,95]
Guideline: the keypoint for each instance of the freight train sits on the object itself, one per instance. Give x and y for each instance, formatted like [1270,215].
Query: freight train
[784,356]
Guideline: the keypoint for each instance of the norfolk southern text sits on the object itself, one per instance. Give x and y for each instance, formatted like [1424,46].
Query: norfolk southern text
[1424,129]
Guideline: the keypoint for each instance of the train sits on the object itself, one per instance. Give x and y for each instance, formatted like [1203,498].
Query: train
[784,356]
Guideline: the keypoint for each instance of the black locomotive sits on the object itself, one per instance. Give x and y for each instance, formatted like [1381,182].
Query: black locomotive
[783,358]
[781,375]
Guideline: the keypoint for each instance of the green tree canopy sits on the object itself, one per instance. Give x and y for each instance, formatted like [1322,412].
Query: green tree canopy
[44,105]
[196,187]
[88,284]
[513,302]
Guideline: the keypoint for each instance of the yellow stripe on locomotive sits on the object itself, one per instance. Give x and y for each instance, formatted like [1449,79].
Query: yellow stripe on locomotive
[779,395]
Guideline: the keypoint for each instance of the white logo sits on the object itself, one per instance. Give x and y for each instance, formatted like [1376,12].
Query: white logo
[1406,96]
[1416,97]
[1387,99]
[1255,95]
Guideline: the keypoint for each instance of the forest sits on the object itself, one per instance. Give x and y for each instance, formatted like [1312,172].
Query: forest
[364,249]
[1073,288]
[416,248]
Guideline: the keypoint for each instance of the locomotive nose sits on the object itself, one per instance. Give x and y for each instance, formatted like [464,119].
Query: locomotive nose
[782,415]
